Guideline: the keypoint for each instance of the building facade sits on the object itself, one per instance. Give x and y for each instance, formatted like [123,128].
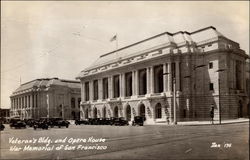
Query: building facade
[179,73]
[48,97]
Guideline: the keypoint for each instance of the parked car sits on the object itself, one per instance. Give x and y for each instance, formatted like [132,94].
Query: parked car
[79,122]
[105,121]
[59,122]
[138,120]
[1,127]
[112,120]
[120,122]
[17,123]
[41,124]
[90,121]
[30,122]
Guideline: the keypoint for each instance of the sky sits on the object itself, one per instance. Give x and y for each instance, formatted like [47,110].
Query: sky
[45,39]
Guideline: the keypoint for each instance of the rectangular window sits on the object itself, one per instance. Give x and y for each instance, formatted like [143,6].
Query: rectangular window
[128,84]
[95,89]
[210,65]
[87,91]
[238,75]
[105,88]
[116,85]
[211,86]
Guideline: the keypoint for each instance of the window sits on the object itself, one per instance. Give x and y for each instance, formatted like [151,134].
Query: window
[211,86]
[72,102]
[158,111]
[87,91]
[105,88]
[210,65]
[116,83]
[95,89]
[128,84]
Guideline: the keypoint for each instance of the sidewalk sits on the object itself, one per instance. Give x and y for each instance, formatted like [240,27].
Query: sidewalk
[216,122]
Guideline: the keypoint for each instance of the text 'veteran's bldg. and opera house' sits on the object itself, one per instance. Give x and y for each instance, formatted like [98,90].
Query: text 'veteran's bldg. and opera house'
[205,68]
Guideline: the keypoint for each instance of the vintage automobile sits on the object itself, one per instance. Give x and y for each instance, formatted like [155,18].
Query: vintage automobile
[1,126]
[59,122]
[90,121]
[120,121]
[79,122]
[138,120]
[30,122]
[17,123]
[104,121]
[112,120]
[40,124]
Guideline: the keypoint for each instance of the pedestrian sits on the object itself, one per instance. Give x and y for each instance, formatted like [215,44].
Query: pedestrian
[212,113]
[167,119]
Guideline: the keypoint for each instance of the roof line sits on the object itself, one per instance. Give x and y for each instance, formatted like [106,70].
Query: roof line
[168,33]
[137,43]
[212,27]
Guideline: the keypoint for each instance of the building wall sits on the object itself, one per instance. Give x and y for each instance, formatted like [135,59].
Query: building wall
[194,97]
[46,102]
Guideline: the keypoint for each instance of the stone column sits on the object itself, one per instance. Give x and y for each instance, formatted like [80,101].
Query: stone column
[91,90]
[83,98]
[135,82]
[100,89]
[110,87]
[169,77]
[148,80]
[35,100]
[31,106]
[152,79]
[165,72]
[177,71]
[122,85]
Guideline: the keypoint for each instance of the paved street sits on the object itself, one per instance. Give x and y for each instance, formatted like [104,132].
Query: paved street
[228,141]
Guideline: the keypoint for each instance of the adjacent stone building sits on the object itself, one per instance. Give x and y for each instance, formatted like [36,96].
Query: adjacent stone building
[206,68]
[48,97]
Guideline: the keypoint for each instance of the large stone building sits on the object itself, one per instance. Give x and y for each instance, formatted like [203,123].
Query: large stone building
[48,97]
[205,68]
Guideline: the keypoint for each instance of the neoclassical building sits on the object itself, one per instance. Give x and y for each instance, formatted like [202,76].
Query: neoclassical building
[47,97]
[201,68]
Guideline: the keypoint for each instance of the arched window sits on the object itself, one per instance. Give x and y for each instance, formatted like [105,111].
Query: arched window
[73,103]
[128,113]
[116,112]
[158,111]
[95,112]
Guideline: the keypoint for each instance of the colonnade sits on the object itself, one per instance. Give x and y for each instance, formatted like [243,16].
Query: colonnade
[169,71]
